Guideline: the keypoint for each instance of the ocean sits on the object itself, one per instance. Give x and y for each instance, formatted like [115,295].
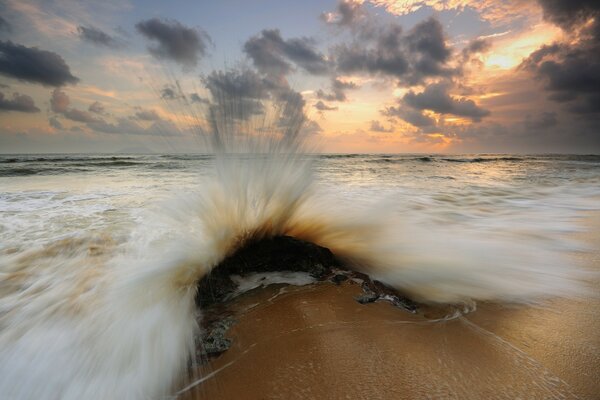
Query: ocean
[100,253]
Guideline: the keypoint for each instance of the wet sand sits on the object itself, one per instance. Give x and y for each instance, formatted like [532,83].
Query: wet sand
[318,342]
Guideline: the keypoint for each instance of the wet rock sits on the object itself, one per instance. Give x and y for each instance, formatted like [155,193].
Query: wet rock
[366,298]
[280,253]
[214,341]
[339,278]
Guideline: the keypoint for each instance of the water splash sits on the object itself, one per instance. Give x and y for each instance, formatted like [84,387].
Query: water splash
[90,318]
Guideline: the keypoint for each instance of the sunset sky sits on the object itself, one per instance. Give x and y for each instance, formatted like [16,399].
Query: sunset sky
[383,76]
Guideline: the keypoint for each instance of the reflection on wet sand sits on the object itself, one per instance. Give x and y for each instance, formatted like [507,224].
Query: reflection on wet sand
[318,342]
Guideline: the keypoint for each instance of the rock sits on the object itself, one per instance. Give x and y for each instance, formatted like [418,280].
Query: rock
[339,278]
[367,298]
[214,342]
[280,253]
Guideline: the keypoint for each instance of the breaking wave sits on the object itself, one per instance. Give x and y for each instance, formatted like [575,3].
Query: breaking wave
[94,318]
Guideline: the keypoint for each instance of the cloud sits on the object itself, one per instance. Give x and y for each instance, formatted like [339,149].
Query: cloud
[347,13]
[59,103]
[239,92]
[19,102]
[474,47]
[147,115]
[244,83]
[125,126]
[242,93]
[387,51]
[376,126]
[412,116]
[569,69]
[338,89]
[55,123]
[319,105]
[97,37]
[79,115]
[273,55]
[169,93]
[96,107]
[34,65]
[499,12]
[567,13]
[435,97]
[175,41]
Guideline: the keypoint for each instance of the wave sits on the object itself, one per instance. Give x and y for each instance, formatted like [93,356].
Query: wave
[62,159]
[483,159]
[25,171]
[120,322]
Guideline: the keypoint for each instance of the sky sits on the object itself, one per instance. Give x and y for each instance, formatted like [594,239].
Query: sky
[378,76]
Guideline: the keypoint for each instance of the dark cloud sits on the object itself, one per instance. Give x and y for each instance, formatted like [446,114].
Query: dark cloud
[77,115]
[243,93]
[244,83]
[59,103]
[570,69]
[435,97]
[427,40]
[104,127]
[412,116]
[97,37]
[387,51]
[477,46]
[319,105]
[569,13]
[19,102]
[55,123]
[273,55]
[376,126]
[5,25]
[239,92]
[473,48]
[175,41]
[34,65]
[96,107]
[169,93]
[147,115]
[338,89]
[291,111]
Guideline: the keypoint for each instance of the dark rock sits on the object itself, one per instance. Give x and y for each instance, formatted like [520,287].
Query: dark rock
[280,253]
[213,342]
[366,298]
[339,278]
